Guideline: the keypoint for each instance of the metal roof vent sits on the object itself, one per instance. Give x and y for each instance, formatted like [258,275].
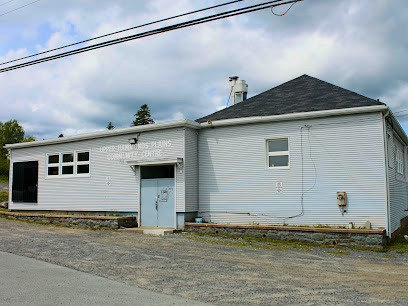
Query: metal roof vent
[239,90]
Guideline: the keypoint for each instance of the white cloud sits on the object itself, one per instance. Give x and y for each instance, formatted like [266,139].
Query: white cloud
[184,74]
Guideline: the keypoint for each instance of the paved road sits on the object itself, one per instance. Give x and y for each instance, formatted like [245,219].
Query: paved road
[219,271]
[27,281]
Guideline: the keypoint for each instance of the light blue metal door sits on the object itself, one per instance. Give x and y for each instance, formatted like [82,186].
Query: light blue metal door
[157,202]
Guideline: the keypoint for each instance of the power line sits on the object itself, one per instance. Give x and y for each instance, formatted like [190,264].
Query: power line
[401,111]
[18,7]
[6,2]
[121,31]
[284,12]
[190,23]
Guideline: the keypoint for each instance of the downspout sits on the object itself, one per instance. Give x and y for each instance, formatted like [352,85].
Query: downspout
[386,172]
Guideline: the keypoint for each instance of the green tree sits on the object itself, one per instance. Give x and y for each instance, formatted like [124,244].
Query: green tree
[110,126]
[143,116]
[10,132]
[28,138]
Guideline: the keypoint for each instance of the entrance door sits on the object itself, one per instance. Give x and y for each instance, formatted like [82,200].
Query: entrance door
[157,196]
[25,180]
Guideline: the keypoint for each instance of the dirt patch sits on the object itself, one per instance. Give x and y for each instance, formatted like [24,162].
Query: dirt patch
[220,273]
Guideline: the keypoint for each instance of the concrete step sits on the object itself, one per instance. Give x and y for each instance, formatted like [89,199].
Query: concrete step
[155,231]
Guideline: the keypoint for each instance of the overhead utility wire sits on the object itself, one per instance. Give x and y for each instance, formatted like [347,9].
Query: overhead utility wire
[18,7]
[6,2]
[121,31]
[236,12]
[401,111]
[284,12]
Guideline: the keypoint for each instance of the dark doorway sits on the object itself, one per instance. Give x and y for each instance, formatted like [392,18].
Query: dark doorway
[25,180]
[154,172]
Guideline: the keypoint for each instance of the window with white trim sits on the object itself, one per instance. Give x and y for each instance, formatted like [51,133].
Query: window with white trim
[399,158]
[277,153]
[82,163]
[68,164]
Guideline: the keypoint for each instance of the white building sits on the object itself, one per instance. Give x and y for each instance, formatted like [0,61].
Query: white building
[303,153]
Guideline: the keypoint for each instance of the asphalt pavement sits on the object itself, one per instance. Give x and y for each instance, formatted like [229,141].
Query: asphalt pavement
[215,270]
[27,281]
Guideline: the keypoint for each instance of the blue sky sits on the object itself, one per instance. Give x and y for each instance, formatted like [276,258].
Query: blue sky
[359,45]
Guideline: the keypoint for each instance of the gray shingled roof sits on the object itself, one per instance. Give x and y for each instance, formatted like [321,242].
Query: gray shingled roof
[303,94]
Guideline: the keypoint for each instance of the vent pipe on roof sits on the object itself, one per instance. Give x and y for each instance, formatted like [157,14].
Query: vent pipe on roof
[239,90]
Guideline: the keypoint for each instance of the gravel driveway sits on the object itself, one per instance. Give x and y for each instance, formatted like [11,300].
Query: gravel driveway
[216,270]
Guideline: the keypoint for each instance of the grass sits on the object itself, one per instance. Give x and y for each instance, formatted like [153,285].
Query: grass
[399,244]
[4,179]
[3,196]
[240,243]
[266,243]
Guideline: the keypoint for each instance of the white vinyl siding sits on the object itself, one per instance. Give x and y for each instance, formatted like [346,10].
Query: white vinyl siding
[191,169]
[342,153]
[111,186]
[398,187]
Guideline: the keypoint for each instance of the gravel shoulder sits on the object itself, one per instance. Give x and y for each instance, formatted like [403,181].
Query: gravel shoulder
[217,270]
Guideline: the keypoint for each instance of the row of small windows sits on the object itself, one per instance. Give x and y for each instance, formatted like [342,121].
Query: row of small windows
[68,164]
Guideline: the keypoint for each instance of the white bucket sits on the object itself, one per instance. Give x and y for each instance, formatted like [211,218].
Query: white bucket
[199,220]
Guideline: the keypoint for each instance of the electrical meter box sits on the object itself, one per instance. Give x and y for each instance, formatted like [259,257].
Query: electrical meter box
[341,198]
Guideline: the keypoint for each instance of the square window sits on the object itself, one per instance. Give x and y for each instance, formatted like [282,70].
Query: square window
[279,161]
[53,159]
[53,170]
[68,158]
[82,169]
[278,145]
[82,156]
[67,170]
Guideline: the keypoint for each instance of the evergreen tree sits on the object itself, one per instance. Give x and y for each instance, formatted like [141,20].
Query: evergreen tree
[143,116]
[110,126]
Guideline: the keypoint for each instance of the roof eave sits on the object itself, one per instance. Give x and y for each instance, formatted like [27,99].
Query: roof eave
[398,128]
[108,133]
[296,116]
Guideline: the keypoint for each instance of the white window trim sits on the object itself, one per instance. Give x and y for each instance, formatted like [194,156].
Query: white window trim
[61,164]
[399,160]
[277,153]
[47,165]
[78,163]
